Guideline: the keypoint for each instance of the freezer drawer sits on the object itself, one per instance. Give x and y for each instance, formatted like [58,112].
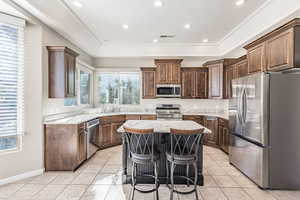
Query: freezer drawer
[249,159]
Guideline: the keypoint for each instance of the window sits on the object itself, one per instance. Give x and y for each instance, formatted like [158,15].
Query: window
[11,82]
[83,88]
[116,88]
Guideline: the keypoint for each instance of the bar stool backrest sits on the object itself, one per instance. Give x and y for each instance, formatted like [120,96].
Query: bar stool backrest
[185,142]
[140,141]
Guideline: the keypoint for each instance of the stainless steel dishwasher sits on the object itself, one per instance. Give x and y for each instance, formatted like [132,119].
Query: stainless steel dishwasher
[92,127]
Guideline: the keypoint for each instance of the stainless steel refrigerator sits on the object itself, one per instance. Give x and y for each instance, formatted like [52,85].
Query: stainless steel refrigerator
[264,120]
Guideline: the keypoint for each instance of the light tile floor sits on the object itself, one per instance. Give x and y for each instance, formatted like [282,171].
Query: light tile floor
[100,179]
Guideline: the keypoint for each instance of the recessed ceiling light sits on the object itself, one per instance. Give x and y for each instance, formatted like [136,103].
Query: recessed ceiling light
[78,4]
[125,26]
[187,26]
[155,40]
[205,40]
[158,3]
[239,2]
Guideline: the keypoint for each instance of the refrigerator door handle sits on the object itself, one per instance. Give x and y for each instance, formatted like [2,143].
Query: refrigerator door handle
[244,97]
[240,107]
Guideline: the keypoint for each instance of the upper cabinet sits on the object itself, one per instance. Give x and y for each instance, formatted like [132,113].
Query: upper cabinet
[168,71]
[277,50]
[217,78]
[194,82]
[238,68]
[148,78]
[62,70]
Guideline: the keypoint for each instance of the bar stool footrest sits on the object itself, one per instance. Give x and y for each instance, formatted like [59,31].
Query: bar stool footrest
[147,191]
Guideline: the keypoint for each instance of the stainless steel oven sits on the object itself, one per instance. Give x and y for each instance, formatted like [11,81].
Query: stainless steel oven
[168,90]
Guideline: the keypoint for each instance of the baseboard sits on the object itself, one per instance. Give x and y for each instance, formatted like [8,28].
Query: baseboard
[21,176]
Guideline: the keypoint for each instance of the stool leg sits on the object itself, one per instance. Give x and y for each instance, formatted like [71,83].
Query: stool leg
[133,172]
[196,179]
[156,177]
[167,167]
[172,180]
[187,174]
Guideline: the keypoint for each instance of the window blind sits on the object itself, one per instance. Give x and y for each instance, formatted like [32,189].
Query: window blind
[11,78]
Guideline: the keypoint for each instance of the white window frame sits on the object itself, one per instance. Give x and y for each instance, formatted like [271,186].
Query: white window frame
[96,97]
[81,67]
[20,23]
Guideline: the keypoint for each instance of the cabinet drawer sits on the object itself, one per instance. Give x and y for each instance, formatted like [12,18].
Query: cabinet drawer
[105,120]
[118,118]
[223,122]
[192,117]
[133,117]
[148,117]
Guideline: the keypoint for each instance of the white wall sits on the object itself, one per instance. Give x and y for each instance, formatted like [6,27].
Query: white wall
[31,156]
[55,106]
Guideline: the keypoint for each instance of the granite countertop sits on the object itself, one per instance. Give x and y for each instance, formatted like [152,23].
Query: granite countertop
[163,126]
[77,119]
[80,118]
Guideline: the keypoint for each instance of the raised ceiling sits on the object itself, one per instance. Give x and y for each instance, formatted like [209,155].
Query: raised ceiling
[96,27]
[211,19]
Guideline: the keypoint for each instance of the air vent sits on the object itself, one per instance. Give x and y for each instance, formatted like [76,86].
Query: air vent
[167,36]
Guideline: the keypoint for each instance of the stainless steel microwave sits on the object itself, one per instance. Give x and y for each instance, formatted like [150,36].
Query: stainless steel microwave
[168,90]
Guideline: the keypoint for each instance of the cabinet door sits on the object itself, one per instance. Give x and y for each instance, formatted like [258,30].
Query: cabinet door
[149,84]
[216,81]
[228,78]
[174,73]
[105,135]
[81,147]
[226,139]
[70,74]
[201,83]
[221,137]
[116,138]
[242,68]
[212,138]
[256,58]
[279,51]
[188,84]
[162,73]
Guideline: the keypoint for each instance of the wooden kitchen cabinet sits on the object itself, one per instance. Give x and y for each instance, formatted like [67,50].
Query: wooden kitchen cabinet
[212,124]
[187,84]
[196,118]
[148,85]
[242,66]
[223,135]
[65,146]
[117,121]
[217,78]
[194,83]
[236,70]
[256,58]
[133,117]
[168,71]
[62,72]
[148,117]
[277,50]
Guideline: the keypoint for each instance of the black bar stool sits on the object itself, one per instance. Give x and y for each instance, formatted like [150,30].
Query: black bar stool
[142,151]
[183,150]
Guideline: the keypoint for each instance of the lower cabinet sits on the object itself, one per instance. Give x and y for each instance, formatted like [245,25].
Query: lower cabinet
[212,124]
[108,130]
[223,135]
[65,146]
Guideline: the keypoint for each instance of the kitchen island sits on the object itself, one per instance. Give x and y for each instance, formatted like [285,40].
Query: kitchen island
[161,135]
